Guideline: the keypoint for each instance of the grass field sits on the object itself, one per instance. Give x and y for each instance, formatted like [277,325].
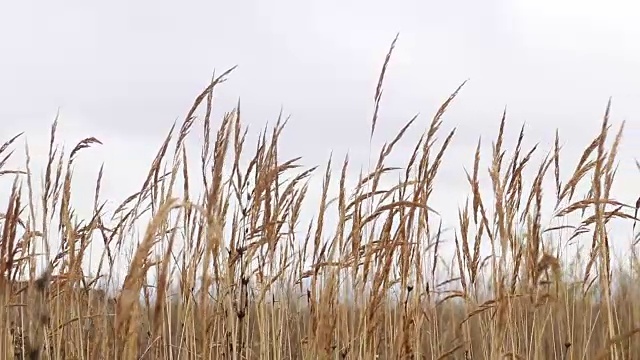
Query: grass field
[364,286]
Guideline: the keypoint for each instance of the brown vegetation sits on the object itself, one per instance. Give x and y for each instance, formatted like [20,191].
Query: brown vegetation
[364,287]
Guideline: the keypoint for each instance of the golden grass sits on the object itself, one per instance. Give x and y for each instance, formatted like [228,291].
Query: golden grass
[237,276]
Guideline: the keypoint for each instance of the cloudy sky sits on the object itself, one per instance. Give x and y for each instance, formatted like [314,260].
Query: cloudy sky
[124,71]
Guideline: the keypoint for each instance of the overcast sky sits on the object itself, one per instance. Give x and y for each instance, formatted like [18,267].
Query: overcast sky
[124,71]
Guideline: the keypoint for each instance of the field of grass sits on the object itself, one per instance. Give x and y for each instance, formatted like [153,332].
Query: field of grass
[232,272]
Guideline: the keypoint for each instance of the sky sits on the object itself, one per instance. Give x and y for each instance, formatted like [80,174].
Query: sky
[124,71]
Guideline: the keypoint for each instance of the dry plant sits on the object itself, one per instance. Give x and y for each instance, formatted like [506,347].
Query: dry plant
[225,268]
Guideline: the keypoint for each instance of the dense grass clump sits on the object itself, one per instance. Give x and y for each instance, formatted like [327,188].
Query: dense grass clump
[226,269]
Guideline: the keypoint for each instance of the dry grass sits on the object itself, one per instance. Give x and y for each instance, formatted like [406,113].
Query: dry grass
[237,276]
